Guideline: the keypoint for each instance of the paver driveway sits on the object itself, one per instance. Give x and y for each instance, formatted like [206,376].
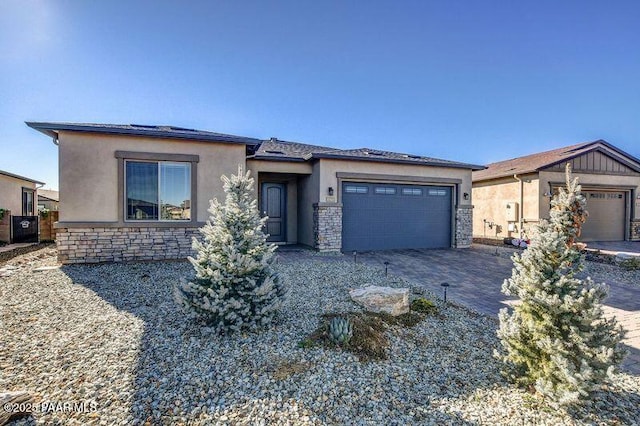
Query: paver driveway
[475,276]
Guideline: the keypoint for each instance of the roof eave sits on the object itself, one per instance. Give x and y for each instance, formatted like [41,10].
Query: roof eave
[15,176]
[270,158]
[398,161]
[52,129]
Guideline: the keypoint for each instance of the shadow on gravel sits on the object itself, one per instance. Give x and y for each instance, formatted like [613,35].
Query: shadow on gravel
[188,374]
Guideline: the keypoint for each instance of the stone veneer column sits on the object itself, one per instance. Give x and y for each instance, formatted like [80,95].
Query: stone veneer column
[93,245]
[464,226]
[327,226]
[635,230]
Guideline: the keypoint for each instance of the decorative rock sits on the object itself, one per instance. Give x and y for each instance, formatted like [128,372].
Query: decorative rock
[393,301]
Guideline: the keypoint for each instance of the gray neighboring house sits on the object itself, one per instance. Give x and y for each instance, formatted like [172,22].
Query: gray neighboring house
[140,192]
[48,199]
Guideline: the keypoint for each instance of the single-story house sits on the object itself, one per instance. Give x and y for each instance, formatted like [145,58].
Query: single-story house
[48,199]
[141,192]
[513,195]
[18,197]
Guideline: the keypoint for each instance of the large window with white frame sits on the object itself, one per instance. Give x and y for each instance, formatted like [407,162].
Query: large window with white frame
[157,191]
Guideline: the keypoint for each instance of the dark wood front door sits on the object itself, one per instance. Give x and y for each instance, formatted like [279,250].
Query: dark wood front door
[274,205]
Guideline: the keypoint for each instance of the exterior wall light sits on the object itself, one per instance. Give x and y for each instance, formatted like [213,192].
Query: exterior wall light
[465,195]
[330,191]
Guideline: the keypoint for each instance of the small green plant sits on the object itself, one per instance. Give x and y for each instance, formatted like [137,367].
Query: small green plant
[2,213]
[306,343]
[632,264]
[340,330]
[424,306]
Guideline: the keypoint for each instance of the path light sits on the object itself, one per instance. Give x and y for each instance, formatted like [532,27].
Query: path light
[386,268]
[445,285]
[355,257]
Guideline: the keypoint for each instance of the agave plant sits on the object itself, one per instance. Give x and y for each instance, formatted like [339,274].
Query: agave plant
[340,330]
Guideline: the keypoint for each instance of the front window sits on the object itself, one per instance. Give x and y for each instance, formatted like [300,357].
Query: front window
[158,190]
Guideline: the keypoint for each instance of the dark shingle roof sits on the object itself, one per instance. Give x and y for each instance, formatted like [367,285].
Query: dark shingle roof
[272,149]
[2,172]
[536,162]
[368,154]
[52,129]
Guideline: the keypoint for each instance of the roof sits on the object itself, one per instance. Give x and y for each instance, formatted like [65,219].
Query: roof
[271,149]
[49,194]
[274,149]
[172,132]
[2,172]
[536,162]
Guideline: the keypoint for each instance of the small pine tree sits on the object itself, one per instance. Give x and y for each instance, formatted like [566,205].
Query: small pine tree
[558,340]
[235,287]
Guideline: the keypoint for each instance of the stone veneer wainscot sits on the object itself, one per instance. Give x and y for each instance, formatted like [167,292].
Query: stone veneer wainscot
[464,226]
[327,226]
[93,245]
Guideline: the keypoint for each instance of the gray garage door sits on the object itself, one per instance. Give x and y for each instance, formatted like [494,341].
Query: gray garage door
[606,221]
[386,216]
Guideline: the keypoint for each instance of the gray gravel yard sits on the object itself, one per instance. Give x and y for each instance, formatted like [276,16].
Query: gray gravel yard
[111,337]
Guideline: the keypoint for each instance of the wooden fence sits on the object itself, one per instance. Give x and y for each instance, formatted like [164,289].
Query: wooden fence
[47,231]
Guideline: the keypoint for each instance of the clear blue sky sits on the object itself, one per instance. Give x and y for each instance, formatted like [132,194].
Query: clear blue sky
[473,81]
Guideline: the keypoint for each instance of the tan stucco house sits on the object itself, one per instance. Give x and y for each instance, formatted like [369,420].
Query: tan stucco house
[18,197]
[513,195]
[141,192]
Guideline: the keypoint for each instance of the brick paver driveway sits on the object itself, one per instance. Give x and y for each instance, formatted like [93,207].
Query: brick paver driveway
[475,276]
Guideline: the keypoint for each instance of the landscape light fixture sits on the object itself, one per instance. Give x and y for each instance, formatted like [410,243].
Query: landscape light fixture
[386,267]
[444,286]
[355,257]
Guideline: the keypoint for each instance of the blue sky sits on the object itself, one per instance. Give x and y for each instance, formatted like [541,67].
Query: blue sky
[473,81]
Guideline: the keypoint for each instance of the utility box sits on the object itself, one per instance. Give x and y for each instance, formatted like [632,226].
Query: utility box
[512,212]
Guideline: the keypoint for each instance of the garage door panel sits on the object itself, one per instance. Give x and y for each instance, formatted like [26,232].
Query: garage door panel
[607,213]
[395,216]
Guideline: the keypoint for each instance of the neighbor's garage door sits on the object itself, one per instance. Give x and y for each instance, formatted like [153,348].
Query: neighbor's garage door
[388,216]
[606,216]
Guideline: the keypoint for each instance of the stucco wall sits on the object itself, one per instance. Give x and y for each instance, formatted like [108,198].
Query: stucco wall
[329,167]
[587,180]
[308,195]
[89,171]
[11,194]
[490,200]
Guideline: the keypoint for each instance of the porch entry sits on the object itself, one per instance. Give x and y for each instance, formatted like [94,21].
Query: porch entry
[274,204]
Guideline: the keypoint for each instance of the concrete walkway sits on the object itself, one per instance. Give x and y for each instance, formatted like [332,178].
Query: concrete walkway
[475,277]
[616,247]
[10,247]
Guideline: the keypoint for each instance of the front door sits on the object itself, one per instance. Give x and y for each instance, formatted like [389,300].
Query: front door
[274,205]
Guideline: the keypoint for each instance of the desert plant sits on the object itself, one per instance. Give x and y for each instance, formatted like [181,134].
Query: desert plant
[424,306]
[557,339]
[340,330]
[632,264]
[235,286]
[2,213]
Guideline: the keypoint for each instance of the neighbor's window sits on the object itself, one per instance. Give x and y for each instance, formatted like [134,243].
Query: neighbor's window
[158,190]
[27,202]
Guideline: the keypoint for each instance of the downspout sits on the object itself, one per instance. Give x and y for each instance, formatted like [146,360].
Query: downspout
[521,212]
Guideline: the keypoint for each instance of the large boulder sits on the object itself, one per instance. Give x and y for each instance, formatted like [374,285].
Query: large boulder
[393,301]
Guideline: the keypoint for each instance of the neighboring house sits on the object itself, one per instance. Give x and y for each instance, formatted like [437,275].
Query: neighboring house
[48,199]
[515,194]
[18,194]
[141,192]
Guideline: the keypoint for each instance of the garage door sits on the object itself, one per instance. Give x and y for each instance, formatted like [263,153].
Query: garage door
[606,221]
[387,216]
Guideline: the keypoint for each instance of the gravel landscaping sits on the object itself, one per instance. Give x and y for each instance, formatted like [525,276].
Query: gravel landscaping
[110,336]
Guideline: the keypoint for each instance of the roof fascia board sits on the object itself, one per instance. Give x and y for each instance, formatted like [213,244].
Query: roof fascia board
[397,161]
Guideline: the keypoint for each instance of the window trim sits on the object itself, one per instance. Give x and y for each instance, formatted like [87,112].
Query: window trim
[122,156]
